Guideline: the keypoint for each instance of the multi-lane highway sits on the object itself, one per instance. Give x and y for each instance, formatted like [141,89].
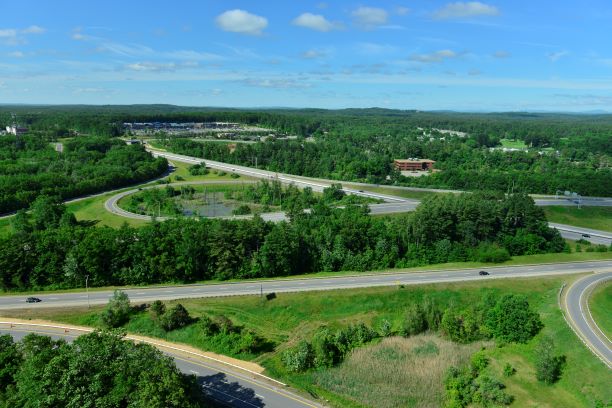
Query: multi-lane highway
[258,287]
[579,316]
[227,384]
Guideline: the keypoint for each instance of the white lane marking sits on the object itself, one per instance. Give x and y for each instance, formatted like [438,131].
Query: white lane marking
[195,372]
[301,283]
[276,285]
[53,298]
[444,276]
[168,291]
[260,396]
[83,296]
[249,287]
[140,293]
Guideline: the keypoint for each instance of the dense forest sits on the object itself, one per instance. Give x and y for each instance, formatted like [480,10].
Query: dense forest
[567,152]
[95,370]
[30,166]
[49,250]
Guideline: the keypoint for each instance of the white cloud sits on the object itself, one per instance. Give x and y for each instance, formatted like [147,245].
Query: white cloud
[16,54]
[33,29]
[370,48]
[313,54]
[158,66]
[12,36]
[402,11]
[275,83]
[501,54]
[79,37]
[315,22]
[556,56]
[240,21]
[434,57]
[465,9]
[369,17]
[474,72]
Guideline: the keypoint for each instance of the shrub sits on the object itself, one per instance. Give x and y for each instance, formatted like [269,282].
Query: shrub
[461,326]
[299,358]
[415,321]
[492,253]
[385,328]
[209,327]
[509,371]
[548,365]
[158,308]
[224,324]
[175,318]
[117,311]
[479,362]
[512,320]
[241,210]
[490,392]
[324,348]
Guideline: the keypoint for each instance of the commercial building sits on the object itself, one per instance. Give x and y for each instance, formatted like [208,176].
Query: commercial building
[413,164]
[16,130]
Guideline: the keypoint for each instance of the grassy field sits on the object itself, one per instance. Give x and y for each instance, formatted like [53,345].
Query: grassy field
[587,217]
[417,195]
[397,372]
[600,304]
[513,143]
[291,317]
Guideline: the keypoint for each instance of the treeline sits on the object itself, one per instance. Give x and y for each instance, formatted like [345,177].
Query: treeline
[95,370]
[506,319]
[30,167]
[463,165]
[445,228]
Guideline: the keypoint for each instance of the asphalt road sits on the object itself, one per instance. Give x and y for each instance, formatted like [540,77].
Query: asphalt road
[220,382]
[567,231]
[318,184]
[149,294]
[579,316]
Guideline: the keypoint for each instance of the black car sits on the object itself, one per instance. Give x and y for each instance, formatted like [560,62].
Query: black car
[586,235]
[483,273]
[33,300]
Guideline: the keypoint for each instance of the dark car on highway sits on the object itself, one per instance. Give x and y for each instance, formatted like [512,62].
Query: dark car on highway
[586,235]
[483,273]
[33,300]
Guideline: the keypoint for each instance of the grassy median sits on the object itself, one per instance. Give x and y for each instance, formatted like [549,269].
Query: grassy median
[600,304]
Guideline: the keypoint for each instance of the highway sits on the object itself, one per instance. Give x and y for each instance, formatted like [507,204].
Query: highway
[318,184]
[567,231]
[575,305]
[222,383]
[362,280]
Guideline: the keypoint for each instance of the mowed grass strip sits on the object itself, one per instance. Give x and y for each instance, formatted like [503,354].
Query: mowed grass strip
[599,218]
[600,304]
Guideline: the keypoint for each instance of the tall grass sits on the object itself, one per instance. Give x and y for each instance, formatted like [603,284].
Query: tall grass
[398,372]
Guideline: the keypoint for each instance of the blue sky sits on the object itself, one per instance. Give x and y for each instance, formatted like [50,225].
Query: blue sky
[412,54]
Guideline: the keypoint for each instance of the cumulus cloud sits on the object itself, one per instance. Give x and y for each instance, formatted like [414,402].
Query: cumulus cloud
[501,54]
[465,9]
[402,11]
[556,56]
[275,83]
[16,54]
[369,17]
[242,22]
[370,48]
[313,54]
[158,66]
[315,22]
[13,36]
[434,57]
[33,29]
